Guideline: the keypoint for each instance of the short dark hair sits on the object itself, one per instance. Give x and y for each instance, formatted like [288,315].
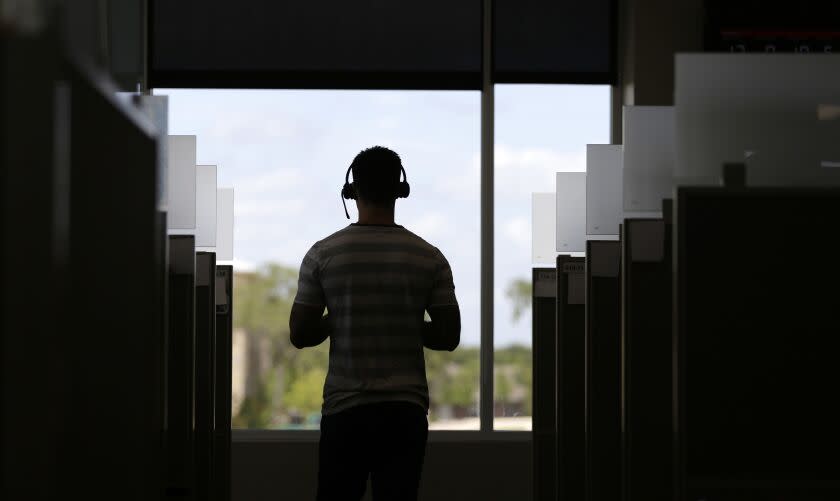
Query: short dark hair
[376,175]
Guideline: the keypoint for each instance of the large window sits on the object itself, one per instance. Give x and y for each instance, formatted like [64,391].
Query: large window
[540,130]
[285,153]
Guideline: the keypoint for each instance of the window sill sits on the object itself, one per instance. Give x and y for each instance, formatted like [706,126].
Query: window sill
[312,436]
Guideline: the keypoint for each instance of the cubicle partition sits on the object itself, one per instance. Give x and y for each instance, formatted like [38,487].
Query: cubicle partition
[31,269]
[756,337]
[180,415]
[570,374]
[544,305]
[646,306]
[222,383]
[110,240]
[603,375]
[205,357]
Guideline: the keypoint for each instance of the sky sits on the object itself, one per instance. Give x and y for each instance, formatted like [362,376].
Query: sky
[285,153]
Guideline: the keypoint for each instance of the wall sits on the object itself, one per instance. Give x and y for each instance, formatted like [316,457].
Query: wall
[454,470]
[650,33]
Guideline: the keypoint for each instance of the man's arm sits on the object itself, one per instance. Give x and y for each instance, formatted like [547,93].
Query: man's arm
[308,326]
[444,331]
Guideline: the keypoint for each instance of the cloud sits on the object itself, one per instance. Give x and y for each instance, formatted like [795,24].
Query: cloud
[274,208]
[518,231]
[279,179]
[430,226]
[518,172]
[247,126]
[527,170]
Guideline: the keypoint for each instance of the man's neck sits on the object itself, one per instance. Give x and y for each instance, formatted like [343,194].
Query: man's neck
[376,215]
[380,220]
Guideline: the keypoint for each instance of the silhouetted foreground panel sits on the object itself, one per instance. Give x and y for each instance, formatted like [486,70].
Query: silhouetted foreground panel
[180,423]
[82,327]
[544,343]
[32,279]
[571,373]
[757,319]
[113,406]
[646,360]
[603,376]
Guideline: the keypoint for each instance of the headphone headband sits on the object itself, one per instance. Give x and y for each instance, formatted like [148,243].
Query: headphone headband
[348,191]
[347,174]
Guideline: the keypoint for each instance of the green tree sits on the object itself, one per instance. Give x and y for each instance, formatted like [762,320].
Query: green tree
[294,378]
[519,293]
[304,393]
[262,303]
[503,385]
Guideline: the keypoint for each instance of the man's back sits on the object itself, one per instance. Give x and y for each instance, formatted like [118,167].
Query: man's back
[376,282]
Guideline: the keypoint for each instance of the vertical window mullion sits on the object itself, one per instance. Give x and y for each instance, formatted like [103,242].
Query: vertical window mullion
[486,398]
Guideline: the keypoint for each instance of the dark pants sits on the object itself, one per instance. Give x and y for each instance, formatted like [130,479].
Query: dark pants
[384,440]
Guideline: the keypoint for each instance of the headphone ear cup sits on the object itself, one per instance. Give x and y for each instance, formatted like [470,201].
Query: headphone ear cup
[348,191]
[404,190]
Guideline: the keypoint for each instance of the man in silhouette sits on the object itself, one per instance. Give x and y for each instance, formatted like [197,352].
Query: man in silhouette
[376,280]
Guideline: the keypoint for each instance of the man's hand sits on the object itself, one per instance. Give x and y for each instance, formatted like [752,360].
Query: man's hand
[443,333]
[308,326]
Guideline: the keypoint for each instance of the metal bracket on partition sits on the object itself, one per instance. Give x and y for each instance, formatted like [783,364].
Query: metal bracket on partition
[574,268]
[202,272]
[546,284]
[605,262]
[647,241]
[222,299]
[575,282]
[576,288]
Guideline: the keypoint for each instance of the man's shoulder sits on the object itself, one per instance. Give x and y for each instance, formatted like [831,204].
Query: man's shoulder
[366,235]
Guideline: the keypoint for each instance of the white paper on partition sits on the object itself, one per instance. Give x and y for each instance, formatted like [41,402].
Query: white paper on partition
[764,110]
[571,212]
[181,183]
[205,206]
[603,188]
[224,224]
[543,227]
[648,173]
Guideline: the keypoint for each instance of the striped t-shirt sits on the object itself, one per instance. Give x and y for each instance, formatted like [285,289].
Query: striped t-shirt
[377,282]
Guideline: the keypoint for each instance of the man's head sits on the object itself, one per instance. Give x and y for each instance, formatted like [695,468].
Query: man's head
[376,176]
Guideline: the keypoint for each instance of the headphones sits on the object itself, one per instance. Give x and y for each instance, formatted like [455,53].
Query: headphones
[348,191]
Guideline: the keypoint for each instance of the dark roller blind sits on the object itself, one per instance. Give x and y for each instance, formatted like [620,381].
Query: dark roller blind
[560,41]
[376,43]
[320,43]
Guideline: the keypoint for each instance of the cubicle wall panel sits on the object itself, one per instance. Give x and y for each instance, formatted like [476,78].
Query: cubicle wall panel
[545,390]
[115,328]
[603,362]
[646,389]
[180,420]
[757,336]
[205,341]
[31,125]
[571,373]
[222,384]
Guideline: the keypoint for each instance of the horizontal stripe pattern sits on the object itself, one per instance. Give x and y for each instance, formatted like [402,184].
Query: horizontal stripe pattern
[376,282]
